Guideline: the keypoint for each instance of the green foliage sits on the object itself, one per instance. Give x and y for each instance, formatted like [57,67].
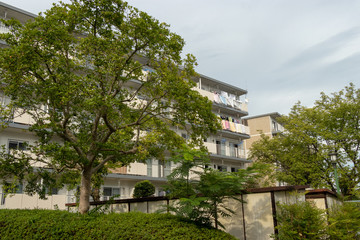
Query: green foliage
[45,224]
[344,222]
[190,162]
[300,155]
[202,192]
[144,189]
[301,220]
[72,71]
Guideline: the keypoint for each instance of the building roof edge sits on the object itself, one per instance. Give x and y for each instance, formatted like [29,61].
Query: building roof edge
[272,114]
[18,10]
[223,83]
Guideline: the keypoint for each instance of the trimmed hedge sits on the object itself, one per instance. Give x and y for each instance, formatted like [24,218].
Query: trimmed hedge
[143,189]
[50,224]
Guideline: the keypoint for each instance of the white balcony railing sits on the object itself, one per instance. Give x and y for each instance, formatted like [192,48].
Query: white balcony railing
[3,28]
[235,127]
[205,93]
[220,149]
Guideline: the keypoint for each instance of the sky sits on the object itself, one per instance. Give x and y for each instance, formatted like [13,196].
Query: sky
[280,51]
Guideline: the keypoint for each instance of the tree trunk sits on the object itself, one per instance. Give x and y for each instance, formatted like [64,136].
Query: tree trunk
[85,190]
[216,215]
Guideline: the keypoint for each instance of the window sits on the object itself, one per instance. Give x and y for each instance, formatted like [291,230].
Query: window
[223,142]
[116,191]
[149,167]
[222,168]
[107,191]
[52,191]
[234,150]
[3,100]
[19,188]
[220,147]
[274,126]
[8,188]
[167,169]
[111,192]
[241,145]
[17,144]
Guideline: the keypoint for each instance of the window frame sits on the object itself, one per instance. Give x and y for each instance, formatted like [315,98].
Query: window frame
[24,144]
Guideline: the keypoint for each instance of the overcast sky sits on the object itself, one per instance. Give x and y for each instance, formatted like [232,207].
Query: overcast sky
[281,51]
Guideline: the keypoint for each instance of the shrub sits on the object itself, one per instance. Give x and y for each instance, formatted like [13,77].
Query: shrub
[143,189]
[344,222]
[50,224]
[300,220]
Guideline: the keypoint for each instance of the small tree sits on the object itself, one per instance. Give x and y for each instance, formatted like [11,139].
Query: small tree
[202,197]
[144,189]
[344,221]
[301,220]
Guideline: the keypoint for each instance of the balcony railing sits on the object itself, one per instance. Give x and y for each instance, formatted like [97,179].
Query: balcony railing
[223,150]
[223,99]
[235,127]
[3,28]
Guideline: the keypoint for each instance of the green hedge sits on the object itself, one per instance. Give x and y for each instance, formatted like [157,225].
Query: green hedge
[144,189]
[49,224]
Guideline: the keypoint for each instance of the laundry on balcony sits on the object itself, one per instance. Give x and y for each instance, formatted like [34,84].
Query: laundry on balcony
[227,99]
[231,100]
[227,125]
[223,100]
[237,104]
[223,124]
[217,98]
[238,127]
[232,124]
[232,127]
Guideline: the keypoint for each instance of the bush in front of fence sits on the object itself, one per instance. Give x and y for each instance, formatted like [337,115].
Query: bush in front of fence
[144,189]
[50,224]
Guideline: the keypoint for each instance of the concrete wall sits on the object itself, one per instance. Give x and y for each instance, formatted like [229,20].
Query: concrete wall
[253,218]
[259,125]
[322,198]
[259,223]
[23,201]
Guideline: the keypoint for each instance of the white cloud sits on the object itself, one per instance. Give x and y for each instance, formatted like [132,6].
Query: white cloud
[280,50]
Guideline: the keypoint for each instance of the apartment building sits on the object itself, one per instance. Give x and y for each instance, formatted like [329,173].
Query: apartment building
[227,148]
[266,124]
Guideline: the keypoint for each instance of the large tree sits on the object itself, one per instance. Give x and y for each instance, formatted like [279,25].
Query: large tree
[104,84]
[300,155]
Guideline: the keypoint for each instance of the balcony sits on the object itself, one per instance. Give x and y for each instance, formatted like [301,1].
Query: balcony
[221,151]
[276,128]
[205,93]
[3,28]
[224,101]
[233,135]
[221,108]
[235,128]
